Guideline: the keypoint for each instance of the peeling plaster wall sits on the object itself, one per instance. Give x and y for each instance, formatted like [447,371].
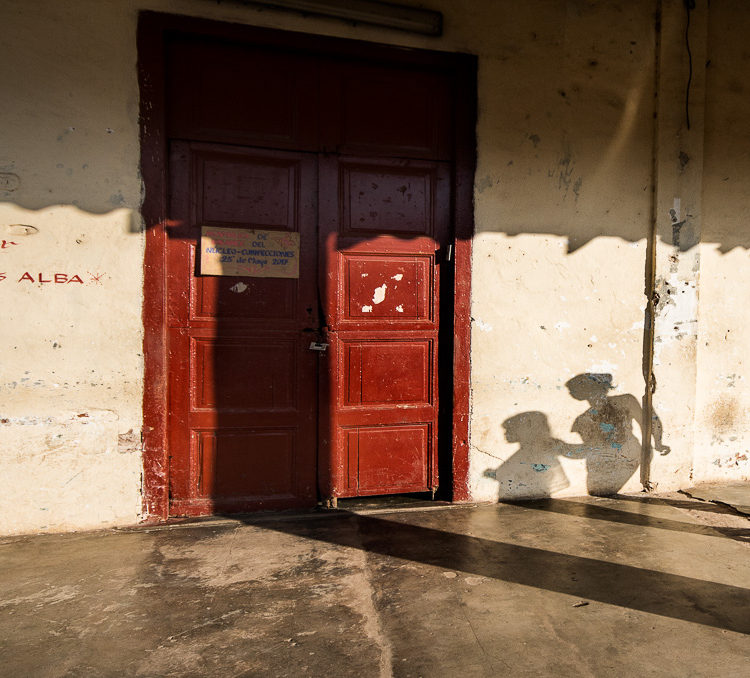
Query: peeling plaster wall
[564,206]
[70,381]
[722,424]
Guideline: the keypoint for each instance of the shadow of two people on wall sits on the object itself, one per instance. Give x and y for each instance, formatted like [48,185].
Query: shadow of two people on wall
[612,451]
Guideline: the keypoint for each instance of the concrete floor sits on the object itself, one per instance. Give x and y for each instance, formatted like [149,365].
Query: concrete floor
[628,586]
[734,495]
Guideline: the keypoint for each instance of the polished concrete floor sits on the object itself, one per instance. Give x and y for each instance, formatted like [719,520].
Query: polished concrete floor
[627,586]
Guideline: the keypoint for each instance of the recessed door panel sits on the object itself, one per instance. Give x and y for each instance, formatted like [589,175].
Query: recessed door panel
[383,286]
[246,94]
[240,297]
[386,199]
[387,459]
[248,192]
[388,371]
[245,464]
[244,373]
[390,110]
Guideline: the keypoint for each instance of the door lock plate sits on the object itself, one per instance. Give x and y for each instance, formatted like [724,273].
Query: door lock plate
[318,346]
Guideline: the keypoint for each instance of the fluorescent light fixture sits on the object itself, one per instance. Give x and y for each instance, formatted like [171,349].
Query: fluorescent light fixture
[400,17]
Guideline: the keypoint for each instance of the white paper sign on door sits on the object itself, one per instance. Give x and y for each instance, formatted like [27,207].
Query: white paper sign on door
[255,254]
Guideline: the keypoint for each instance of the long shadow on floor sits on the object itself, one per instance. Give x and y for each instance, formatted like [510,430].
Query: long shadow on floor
[598,512]
[670,595]
[692,504]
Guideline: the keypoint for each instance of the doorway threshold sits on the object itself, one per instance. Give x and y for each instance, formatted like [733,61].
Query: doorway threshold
[392,503]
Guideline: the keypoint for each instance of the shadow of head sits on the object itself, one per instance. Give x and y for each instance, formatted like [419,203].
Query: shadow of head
[526,428]
[590,385]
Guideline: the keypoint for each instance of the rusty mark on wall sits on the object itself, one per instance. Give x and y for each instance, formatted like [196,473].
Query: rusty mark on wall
[723,414]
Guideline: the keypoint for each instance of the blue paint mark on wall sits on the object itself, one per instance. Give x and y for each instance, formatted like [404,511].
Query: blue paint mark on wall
[540,468]
[607,427]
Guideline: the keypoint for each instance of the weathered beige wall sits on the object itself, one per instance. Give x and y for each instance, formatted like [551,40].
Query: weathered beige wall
[563,211]
[72,364]
[563,207]
[722,423]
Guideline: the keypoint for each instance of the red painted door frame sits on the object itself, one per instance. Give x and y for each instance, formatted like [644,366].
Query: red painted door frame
[153,31]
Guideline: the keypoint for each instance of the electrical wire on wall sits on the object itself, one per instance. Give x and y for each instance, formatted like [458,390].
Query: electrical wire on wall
[689,6]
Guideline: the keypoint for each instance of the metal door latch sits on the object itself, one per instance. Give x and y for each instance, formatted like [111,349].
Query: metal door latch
[318,346]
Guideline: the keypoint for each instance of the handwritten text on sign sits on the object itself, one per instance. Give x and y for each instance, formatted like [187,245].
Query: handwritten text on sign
[257,254]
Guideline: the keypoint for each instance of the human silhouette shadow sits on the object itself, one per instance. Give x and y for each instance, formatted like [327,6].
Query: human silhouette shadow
[612,451]
[535,466]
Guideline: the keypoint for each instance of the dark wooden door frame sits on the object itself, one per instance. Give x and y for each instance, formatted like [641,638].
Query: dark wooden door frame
[153,31]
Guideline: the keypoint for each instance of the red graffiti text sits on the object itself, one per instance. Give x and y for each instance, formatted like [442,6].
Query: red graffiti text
[55,278]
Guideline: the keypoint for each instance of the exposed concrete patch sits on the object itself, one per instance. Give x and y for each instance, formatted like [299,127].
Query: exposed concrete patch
[363,601]
[735,495]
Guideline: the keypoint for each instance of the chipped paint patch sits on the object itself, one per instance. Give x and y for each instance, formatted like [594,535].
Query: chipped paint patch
[483,326]
[398,276]
[239,288]
[732,461]
[676,312]
[379,295]
[367,309]
[400,308]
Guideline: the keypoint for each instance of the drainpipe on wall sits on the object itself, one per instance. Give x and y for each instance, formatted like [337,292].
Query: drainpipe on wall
[673,257]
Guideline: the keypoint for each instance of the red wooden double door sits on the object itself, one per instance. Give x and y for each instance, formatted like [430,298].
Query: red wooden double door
[354,157]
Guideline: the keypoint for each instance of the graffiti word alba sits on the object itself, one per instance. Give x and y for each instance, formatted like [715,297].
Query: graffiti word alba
[55,278]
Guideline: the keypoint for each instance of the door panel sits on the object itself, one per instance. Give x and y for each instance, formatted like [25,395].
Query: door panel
[387,371]
[223,297]
[387,459]
[241,463]
[240,193]
[217,362]
[242,387]
[243,94]
[386,197]
[382,223]
[385,110]
[391,287]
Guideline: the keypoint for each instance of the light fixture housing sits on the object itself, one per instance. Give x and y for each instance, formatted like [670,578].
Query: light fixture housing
[389,15]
